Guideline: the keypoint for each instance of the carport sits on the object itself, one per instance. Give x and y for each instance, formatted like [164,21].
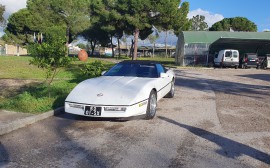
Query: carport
[259,46]
[199,47]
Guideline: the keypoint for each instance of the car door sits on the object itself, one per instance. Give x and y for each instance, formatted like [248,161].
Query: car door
[228,56]
[235,56]
[164,83]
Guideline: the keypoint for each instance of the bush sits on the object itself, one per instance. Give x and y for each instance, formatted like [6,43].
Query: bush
[26,102]
[93,69]
[52,53]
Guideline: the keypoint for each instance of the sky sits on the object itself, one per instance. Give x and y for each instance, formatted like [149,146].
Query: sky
[213,10]
[216,10]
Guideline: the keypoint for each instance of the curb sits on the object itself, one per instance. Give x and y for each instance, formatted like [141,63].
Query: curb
[7,128]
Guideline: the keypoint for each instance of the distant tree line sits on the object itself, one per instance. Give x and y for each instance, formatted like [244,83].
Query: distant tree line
[197,23]
[98,21]
[2,19]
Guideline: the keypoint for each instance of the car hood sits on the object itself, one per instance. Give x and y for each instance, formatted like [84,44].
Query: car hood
[111,90]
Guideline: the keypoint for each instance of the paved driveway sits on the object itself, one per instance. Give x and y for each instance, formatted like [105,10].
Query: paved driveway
[218,118]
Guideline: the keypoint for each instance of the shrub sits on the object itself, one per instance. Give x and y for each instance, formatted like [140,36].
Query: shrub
[93,69]
[52,53]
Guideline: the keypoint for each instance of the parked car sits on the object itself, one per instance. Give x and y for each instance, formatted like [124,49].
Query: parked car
[130,88]
[249,60]
[265,62]
[227,58]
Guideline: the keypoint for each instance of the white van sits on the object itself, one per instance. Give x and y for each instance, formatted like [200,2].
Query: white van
[227,58]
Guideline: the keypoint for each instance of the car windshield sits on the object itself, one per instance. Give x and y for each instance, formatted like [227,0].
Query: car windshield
[146,70]
[252,56]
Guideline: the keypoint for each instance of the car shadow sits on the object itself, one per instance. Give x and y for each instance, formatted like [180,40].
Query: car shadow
[4,155]
[74,117]
[228,87]
[229,148]
[263,77]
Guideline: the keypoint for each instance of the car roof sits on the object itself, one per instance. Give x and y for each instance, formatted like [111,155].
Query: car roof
[140,62]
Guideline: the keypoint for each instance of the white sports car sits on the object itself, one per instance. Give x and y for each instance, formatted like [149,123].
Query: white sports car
[130,88]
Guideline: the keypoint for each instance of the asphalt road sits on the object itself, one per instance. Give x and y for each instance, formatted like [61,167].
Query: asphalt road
[218,118]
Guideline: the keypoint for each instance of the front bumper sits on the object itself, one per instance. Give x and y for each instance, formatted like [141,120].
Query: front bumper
[133,110]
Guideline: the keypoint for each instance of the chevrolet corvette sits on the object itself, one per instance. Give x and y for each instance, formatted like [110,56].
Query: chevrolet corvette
[130,88]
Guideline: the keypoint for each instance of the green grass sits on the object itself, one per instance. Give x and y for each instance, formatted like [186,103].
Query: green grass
[19,68]
[37,97]
[13,67]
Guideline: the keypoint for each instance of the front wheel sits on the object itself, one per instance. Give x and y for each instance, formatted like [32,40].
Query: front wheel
[152,105]
[171,93]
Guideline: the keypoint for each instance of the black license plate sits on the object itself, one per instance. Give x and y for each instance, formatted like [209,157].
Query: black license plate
[92,111]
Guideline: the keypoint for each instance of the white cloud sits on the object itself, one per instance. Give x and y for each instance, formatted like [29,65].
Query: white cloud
[12,6]
[210,18]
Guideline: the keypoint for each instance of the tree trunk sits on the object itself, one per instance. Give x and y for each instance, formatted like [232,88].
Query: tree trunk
[166,48]
[154,50]
[112,46]
[67,36]
[126,49]
[136,37]
[119,50]
[93,46]
[131,49]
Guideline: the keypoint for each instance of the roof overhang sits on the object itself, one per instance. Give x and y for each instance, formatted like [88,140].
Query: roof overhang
[243,45]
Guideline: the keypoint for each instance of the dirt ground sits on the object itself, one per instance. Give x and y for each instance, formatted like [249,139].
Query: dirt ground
[11,87]
[242,100]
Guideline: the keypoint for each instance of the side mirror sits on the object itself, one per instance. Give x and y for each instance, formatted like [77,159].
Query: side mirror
[163,75]
[103,72]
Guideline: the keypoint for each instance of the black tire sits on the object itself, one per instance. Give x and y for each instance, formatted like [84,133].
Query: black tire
[172,91]
[152,106]
[221,65]
[236,66]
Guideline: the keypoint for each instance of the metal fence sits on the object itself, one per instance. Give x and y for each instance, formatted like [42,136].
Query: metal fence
[196,54]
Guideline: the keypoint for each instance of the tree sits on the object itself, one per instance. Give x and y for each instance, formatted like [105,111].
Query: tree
[51,54]
[95,35]
[168,15]
[2,19]
[198,23]
[182,22]
[104,13]
[19,27]
[152,39]
[137,16]
[237,24]
[71,14]
[82,46]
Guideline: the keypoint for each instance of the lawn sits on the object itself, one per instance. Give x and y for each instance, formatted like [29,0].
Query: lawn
[34,96]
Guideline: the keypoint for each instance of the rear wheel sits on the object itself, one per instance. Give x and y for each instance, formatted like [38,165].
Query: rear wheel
[236,66]
[152,105]
[221,65]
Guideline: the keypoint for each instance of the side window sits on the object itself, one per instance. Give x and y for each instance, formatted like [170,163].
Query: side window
[216,56]
[235,54]
[228,54]
[160,68]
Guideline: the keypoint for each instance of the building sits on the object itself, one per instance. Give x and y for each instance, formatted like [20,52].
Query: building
[6,49]
[199,47]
